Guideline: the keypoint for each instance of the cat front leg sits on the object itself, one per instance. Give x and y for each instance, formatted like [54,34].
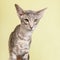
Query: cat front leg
[19,57]
[13,56]
[26,57]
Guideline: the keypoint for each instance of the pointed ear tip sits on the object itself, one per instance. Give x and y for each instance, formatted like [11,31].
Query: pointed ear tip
[45,8]
[15,5]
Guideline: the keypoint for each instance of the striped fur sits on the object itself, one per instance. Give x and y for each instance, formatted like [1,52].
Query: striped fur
[20,38]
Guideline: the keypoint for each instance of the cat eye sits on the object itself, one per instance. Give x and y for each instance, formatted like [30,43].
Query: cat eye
[27,20]
[35,20]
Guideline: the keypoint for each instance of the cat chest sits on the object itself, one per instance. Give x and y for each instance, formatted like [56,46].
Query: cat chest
[23,44]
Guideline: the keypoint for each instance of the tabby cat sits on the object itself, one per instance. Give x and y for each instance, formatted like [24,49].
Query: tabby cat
[20,38]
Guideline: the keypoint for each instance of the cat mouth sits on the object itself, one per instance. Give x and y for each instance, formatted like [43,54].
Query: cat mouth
[30,29]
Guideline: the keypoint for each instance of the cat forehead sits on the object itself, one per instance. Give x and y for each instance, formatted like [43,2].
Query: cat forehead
[30,12]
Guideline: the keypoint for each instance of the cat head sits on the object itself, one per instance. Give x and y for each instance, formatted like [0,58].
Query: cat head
[29,19]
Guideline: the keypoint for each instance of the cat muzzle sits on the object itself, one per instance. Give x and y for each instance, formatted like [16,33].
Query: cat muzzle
[31,27]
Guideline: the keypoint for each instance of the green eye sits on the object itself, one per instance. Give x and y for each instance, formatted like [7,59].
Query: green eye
[27,20]
[35,20]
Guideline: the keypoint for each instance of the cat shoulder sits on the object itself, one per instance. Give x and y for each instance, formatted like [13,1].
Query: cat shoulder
[13,33]
[17,27]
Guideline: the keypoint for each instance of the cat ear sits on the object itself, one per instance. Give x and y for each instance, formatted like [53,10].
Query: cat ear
[41,12]
[19,10]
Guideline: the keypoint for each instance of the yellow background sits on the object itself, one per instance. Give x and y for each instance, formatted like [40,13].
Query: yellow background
[46,38]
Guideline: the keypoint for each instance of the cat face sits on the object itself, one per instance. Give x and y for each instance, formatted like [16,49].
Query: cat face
[29,19]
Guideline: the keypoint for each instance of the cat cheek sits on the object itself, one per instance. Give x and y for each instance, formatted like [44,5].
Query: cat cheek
[25,23]
[33,28]
[35,23]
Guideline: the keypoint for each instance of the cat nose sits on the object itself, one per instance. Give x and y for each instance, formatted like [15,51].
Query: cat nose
[31,27]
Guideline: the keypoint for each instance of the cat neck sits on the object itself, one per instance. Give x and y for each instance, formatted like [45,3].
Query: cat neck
[24,32]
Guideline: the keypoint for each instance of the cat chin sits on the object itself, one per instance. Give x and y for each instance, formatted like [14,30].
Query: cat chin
[32,29]
[29,29]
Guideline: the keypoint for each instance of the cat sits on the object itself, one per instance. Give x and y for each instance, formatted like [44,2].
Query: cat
[20,38]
